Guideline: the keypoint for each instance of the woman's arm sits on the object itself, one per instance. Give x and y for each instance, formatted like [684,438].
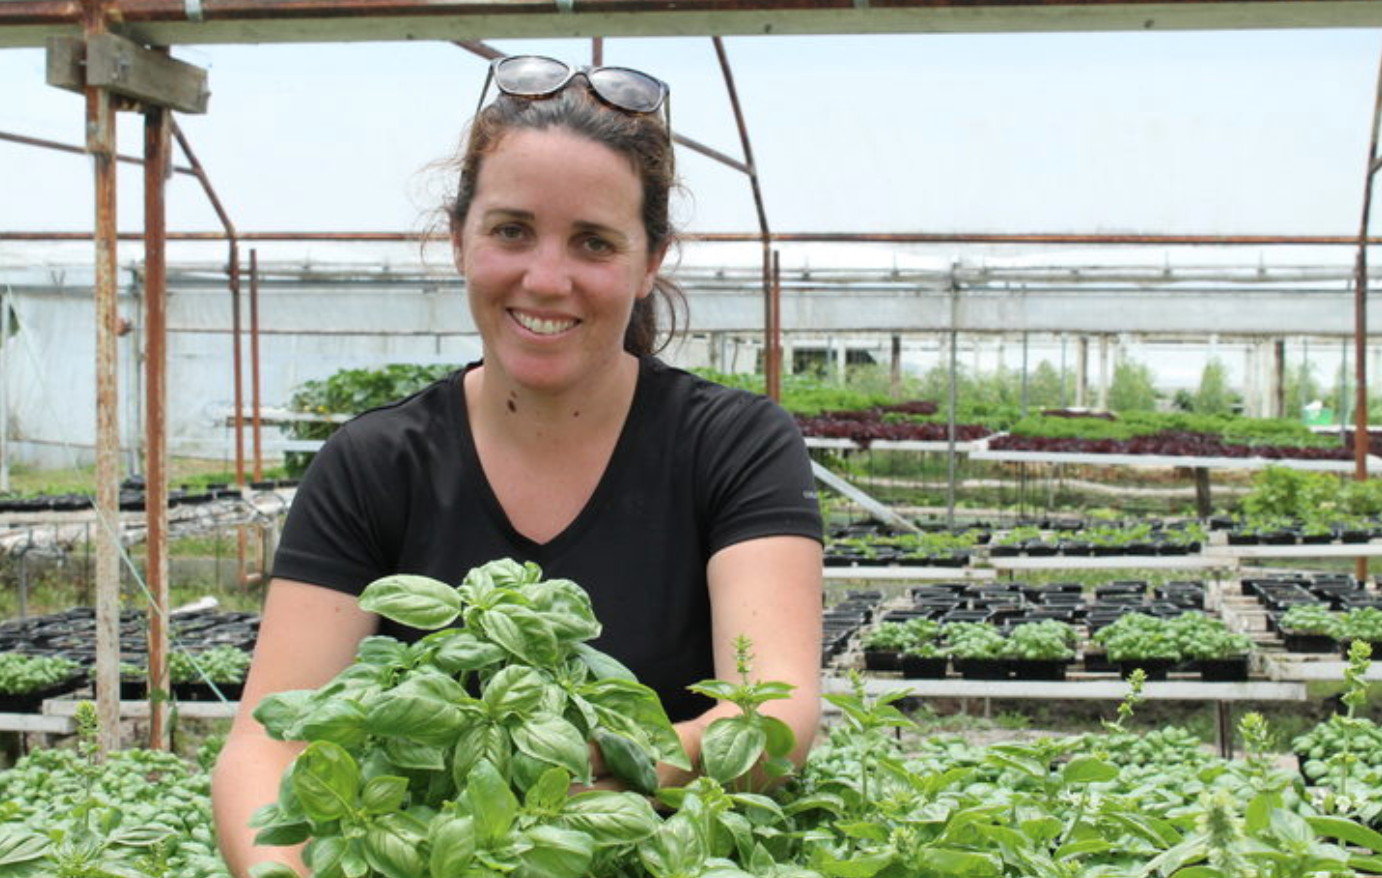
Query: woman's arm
[768,590]
[307,635]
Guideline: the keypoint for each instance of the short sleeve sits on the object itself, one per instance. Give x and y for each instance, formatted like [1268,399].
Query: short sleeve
[757,474]
[330,537]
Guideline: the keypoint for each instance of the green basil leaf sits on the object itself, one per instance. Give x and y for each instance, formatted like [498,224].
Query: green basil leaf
[483,740]
[382,795]
[781,738]
[1087,769]
[340,720]
[492,803]
[720,690]
[326,781]
[381,651]
[513,690]
[353,862]
[18,845]
[675,848]
[421,708]
[282,834]
[628,761]
[603,665]
[549,793]
[551,739]
[566,607]
[417,601]
[393,846]
[273,870]
[523,632]
[280,712]
[555,853]
[453,845]
[403,753]
[610,818]
[463,651]
[856,865]
[323,855]
[731,746]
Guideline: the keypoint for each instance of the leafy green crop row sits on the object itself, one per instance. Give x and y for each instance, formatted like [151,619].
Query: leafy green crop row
[21,674]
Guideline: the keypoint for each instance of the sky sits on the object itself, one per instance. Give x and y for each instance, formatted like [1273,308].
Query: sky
[1213,132]
[1248,132]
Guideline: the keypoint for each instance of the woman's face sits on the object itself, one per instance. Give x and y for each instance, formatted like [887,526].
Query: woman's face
[554,254]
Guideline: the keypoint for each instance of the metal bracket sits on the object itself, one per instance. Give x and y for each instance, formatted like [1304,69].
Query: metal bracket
[566,5]
[878,510]
[193,8]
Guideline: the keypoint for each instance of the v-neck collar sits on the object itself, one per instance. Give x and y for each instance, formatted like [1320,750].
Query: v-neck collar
[545,552]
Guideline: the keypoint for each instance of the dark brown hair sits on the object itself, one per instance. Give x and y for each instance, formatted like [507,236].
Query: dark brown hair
[641,138]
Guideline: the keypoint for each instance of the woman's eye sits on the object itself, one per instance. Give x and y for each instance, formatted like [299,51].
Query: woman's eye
[508,232]
[596,244]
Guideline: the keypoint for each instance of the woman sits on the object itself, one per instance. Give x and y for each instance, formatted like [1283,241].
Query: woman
[686,509]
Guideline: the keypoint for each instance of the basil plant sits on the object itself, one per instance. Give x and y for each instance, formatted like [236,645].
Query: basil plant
[454,755]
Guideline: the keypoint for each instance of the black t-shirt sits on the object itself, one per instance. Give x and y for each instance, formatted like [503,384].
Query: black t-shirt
[697,467]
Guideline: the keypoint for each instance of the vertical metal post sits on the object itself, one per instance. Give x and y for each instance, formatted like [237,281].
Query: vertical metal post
[5,389]
[1025,386]
[1063,401]
[1343,392]
[236,346]
[773,354]
[156,163]
[951,402]
[895,368]
[766,234]
[597,51]
[254,367]
[100,143]
[1360,312]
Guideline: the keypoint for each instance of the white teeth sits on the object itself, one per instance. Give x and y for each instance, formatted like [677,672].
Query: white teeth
[543,327]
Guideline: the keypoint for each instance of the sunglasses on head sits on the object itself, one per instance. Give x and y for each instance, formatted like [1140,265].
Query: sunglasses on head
[536,77]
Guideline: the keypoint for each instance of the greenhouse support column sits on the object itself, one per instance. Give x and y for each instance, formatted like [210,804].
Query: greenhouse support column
[1360,311]
[1278,382]
[951,402]
[1251,392]
[4,389]
[1082,371]
[255,431]
[1024,375]
[895,368]
[156,152]
[1104,376]
[1064,402]
[100,143]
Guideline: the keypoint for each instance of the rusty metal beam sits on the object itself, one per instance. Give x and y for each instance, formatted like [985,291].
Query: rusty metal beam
[169,22]
[77,150]
[156,153]
[100,135]
[1151,240]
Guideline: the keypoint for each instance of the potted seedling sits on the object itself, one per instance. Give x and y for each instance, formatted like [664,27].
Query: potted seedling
[883,645]
[209,675]
[26,680]
[1218,654]
[1136,640]
[1040,650]
[977,649]
[1310,628]
[1363,623]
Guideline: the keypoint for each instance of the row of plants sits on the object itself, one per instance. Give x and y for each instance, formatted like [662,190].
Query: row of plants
[1112,539]
[1334,630]
[211,675]
[26,680]
[1158,645]
[1121,803]
[71,633]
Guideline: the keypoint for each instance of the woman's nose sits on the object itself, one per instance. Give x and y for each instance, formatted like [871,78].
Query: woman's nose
[548,272]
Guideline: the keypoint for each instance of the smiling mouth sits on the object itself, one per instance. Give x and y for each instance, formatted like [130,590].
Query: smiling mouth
[543,326]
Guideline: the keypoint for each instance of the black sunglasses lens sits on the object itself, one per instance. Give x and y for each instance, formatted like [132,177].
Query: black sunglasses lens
[626,88]
[530,75]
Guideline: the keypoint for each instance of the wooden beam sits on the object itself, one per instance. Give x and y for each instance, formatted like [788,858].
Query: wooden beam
[152,78]
[166,22]
[125,68]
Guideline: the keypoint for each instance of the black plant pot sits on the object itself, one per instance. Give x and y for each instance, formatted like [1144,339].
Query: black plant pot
[982,668]
[29,702]
[1309,643]
[1223,670]
[1098,663]
[1156,669]
[882,660]
[1039,669]
[204,692]
[916,667]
